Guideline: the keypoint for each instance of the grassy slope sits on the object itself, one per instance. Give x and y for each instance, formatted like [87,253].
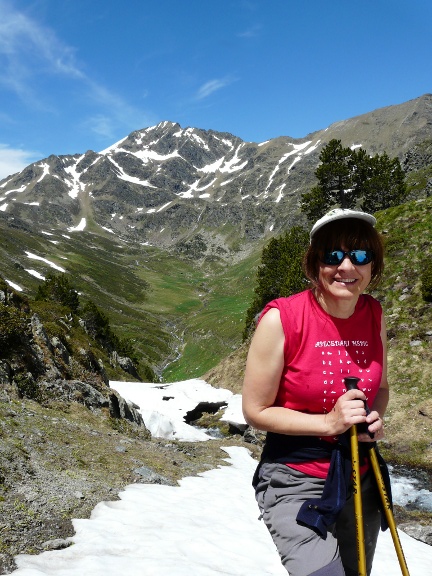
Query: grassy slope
[214,329]
[408,233]
[169,307]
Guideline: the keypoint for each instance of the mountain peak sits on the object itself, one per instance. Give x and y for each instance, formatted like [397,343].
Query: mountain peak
[166,185]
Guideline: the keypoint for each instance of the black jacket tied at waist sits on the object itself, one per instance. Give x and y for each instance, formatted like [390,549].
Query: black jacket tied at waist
[320,513]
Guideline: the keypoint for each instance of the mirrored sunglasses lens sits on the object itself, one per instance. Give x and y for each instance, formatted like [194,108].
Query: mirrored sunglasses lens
[333,257]
[360,256]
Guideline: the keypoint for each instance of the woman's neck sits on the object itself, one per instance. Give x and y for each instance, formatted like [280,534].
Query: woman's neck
[336,308]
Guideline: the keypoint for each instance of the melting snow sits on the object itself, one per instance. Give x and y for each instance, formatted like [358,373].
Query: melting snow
[194,188]
[74,184]
[13,285]
[80,227]
[51,264]
[146,155]
[45,170]
[35,273]
[113,146]
[206,526]
[169,403]
[123,176]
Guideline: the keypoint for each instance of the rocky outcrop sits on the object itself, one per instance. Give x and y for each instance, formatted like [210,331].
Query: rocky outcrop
[44,368]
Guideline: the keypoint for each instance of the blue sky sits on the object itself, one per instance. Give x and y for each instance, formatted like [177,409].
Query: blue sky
[81,74]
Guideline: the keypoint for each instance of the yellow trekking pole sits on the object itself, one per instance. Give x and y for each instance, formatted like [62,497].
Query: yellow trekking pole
[351,384]
[358,508]
[388,510]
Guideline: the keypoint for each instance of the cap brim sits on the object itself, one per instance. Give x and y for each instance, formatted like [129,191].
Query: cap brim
[341,214]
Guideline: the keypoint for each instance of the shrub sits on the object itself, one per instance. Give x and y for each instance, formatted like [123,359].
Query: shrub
[57,288]
[13,325]
[426,281]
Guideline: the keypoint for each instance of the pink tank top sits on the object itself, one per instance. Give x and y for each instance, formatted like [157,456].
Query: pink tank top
[320,351]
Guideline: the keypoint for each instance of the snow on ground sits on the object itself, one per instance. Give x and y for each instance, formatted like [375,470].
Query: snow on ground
[164,406]
[50,264]
[206,526]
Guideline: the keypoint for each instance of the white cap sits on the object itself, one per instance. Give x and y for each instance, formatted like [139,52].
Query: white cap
[339,214]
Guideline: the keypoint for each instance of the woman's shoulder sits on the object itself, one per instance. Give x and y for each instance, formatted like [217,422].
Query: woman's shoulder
[370,304]
[289,307]
[289,301]
[370,301]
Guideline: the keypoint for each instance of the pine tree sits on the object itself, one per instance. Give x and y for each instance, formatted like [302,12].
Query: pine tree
[335,181]
[385,185]
[348,178]
[280,272]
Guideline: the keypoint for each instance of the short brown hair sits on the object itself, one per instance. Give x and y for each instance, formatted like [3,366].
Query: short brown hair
[352,233]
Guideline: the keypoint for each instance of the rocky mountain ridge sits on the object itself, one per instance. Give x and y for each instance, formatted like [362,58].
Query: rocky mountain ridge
[197,190]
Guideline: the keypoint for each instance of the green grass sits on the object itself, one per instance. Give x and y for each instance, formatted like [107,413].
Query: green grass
[152,297]
[408,234]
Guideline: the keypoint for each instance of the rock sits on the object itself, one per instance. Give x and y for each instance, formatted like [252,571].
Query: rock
[254,436]
[38,331]
[6,372]
[57,544]
[119,408]
[75,391]
[419,532]
[125,364]
[148,476]
[60,349]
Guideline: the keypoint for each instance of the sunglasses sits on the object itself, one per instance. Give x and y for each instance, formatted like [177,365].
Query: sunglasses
[357,257]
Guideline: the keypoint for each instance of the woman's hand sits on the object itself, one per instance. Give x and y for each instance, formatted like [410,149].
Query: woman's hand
[375,427]
[348,410]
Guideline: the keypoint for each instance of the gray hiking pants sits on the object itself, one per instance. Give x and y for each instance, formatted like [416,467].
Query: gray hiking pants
[280,493]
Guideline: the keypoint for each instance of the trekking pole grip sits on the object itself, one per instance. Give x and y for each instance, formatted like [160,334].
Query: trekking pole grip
[351,384]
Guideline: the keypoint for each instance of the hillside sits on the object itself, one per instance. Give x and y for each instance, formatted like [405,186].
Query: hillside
[165,228]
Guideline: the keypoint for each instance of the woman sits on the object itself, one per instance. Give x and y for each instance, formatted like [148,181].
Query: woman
[302,350]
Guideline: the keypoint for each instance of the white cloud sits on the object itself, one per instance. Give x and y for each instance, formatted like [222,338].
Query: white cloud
[101,125]
[119,112]
[29,49]
[212,86]
[14,160]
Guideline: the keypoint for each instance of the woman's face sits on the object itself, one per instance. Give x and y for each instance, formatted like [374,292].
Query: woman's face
[344,281]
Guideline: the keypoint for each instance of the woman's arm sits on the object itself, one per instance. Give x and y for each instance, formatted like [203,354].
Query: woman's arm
[264,368]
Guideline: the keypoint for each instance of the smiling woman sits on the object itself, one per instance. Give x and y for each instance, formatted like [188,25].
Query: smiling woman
[304,348]
[345,256]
